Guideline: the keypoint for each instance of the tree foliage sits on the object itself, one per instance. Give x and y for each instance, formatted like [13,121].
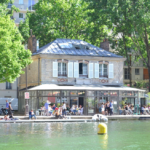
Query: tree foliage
[131,18]
[64,19]
[13,56]
[58,19]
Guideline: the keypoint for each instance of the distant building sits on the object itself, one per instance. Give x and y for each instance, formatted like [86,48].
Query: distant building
[24,6]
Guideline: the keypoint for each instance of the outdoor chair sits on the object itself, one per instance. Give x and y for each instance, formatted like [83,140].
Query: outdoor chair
[37,113]
[42,112]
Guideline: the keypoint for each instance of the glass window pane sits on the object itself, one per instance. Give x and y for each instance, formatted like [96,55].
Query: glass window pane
[113,93]
[56,93]
[65,93]
[73,101]
[47,93]
[100,70]
[81,93]
[91,104]
[73,93]
[84,69]
[90,93]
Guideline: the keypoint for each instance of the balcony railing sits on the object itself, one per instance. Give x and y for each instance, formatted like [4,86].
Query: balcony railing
[22,6]
[83,76]
[62,75]
[105,76]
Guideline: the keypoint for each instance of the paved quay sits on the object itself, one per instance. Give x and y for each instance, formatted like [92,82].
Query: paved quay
[44,119]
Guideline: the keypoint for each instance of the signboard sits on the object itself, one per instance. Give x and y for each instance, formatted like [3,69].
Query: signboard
[26,95]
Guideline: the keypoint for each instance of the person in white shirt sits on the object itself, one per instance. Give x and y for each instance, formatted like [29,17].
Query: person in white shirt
[64,109]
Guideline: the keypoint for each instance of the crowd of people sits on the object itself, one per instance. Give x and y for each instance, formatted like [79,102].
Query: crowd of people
[129,109]
[106,108]
[59,112]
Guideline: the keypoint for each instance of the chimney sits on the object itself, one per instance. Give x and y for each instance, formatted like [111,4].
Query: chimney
[105,45]
[32,42]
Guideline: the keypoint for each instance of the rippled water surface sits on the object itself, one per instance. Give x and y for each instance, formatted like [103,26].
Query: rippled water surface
[122,135]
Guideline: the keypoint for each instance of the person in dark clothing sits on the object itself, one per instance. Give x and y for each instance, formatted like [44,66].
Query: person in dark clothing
[10,110]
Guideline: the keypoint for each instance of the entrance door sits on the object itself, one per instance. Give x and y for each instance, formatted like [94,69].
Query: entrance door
[81,101]
[143,102]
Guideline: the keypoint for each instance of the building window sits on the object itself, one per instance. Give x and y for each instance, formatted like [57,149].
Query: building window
[21,15]
[8,85]
[126,73]
[83,70]
[31,4]
[137,71]
[62,70]
[9,5]
[20,1]
[103,70]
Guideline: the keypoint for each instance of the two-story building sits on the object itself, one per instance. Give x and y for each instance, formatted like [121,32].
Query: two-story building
[78,73]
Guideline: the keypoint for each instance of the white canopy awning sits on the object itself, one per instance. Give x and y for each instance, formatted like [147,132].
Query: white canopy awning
[82,87]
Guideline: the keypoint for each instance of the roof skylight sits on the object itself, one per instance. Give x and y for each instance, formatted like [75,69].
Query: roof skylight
[65,45]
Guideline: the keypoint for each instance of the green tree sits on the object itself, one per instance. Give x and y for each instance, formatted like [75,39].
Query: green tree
[13,56]
[24,30]
[98,23]
[59,19]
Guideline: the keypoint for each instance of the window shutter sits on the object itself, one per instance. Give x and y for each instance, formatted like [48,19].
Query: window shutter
[90,70]
[76,70]
[70,69]
[111,71]
[55,69]
[96,70]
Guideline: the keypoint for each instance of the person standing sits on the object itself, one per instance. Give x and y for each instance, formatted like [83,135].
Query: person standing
[102,108]
[64,109]
[46,108]
[111,107]
[10,110]
[7,106]
[108,108]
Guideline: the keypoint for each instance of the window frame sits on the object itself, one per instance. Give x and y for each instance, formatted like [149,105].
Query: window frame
[102,73]
[21,2]
[20,14]
[8,86]
[83,70]
[61,70]
[137,73]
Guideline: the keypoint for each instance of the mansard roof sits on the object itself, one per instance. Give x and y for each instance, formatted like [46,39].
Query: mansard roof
[75,48]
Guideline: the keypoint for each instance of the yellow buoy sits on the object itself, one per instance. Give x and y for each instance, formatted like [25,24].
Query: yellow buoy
[102,128]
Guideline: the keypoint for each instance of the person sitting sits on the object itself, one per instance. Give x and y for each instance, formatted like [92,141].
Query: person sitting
[120,110]
[57,114]
[6,117]
[68,111]
[142,110]
[42,111]
[31,114]
[81,110]
[146,110]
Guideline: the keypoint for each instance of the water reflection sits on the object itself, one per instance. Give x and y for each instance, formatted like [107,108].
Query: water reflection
[103,140]
[74,136]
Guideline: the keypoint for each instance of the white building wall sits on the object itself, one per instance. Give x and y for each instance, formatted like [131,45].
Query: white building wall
[12,93]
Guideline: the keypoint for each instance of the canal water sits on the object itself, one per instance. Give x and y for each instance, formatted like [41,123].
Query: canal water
[122,135]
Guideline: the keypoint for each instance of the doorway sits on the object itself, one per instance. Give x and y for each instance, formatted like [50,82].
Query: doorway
[81,101]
